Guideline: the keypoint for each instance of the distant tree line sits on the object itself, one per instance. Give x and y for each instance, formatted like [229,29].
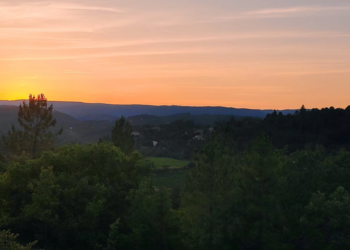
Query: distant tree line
[328,127]
[174,139]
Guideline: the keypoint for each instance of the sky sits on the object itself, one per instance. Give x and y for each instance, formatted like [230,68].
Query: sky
[271,54]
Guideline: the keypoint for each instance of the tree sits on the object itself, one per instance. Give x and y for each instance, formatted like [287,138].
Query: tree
[35,117]
[8,242]
[68,199]
[259,174]
[121,135]
[326,222]
[152,223]
[205,204]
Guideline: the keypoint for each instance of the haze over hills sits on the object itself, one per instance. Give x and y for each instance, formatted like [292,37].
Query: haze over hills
[88,122]
[90,131]
[98,111]
[9,117]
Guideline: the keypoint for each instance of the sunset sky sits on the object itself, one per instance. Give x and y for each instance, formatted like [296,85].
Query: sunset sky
[236,53]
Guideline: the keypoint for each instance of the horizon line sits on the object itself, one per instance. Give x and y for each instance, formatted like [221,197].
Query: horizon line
[175,105]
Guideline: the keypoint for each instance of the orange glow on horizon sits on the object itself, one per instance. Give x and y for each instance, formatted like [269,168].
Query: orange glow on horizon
[233,54]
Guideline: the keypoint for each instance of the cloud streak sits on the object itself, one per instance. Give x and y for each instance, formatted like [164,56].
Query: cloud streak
[107,55]
[86,44]
[256,14]
[51,16]
[89,8]
[296,10]
[283,12]
[213,45]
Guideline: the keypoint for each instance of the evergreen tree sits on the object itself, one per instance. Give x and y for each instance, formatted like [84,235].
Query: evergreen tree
[206,201]
[121,135]
[259,173]
[35,117]
[152,223]
[326,223]
[68,199]
[8,242]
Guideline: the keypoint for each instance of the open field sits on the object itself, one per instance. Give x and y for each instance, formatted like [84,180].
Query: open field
[169,162]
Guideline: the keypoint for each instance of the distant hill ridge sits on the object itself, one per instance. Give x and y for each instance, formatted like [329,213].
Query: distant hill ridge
[91,131]
[98,111]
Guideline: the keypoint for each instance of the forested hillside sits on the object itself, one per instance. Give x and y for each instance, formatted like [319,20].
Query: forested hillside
[74,131]
[99,111]
[175,134]
[329,127]
[277,183]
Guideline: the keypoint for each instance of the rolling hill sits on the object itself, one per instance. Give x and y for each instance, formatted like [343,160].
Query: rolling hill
[90,131]
[88,122]
[98,111]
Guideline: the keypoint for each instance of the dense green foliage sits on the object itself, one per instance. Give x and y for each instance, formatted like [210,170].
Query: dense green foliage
[152,222]
[263,198]
[8,242]
[171,178]
[244,191]
[328,127]
[121,135]
[69,197]
[177,139]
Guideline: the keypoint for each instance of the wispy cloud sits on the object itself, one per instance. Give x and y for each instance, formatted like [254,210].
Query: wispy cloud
[284,12]
[37,6]
[315,72]
[222,43]
[84,7]
[252,14]
[80,43]
[57,16]
[107,55]
[296,10]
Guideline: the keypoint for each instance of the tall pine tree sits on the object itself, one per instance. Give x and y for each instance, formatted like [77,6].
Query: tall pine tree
[206,201]
[35,117]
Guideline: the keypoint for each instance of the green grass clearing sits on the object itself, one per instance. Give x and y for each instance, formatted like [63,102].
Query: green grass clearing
[159,162]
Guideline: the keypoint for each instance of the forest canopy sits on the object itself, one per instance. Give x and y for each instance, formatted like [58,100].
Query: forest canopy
[277,183]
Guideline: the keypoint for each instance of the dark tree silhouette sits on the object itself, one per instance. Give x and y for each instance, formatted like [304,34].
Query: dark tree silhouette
[35,117]
[121,135]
